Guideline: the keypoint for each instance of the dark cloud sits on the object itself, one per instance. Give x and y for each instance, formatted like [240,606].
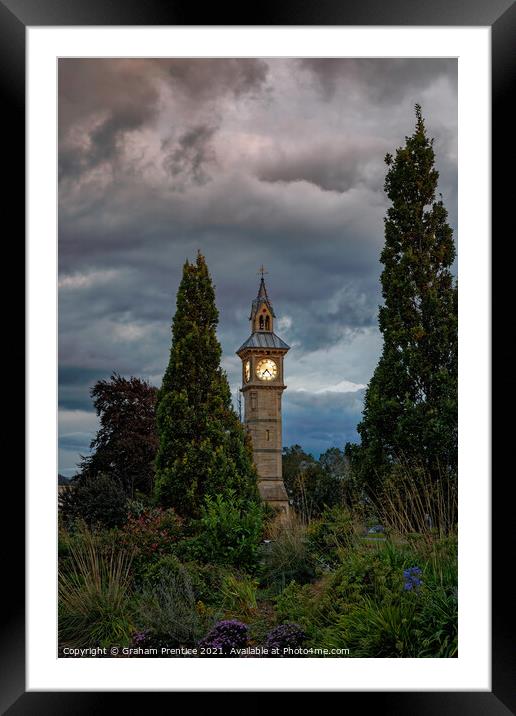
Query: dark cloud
[277,162]
[188,161]
[335,166]
[379,80]
[206,79]
[101,100]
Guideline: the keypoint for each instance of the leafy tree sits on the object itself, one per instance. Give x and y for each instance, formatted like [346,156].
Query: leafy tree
[294,459]
[311,484]
[410,409]
[99,501]
[125,445]
[335,463]
[203,449]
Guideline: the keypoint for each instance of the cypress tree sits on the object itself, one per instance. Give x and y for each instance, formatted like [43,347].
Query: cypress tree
[203,449]
[410,408]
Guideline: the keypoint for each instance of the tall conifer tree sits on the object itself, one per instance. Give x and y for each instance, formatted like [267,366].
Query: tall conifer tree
[203,449]
[410,409]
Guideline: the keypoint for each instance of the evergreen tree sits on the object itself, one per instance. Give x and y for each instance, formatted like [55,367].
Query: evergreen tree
[410,409]
[203,450]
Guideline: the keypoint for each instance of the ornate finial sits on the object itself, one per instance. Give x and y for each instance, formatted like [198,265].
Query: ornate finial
[262,271]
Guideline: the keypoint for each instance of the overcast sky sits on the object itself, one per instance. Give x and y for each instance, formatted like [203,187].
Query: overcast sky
[277,162]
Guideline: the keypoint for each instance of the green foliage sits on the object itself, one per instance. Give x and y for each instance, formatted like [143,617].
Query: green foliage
[206,579]
[97,499]
[410,407]
[203,449]
[332,533]
[239,595]
[309,605]
[286,557]
[363,605]
[126,442]
[313,485]
[228,532]
[150,537]
[94,593]
[377,630]
[167,607]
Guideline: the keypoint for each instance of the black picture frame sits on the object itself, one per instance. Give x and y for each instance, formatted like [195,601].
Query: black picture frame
[500,15]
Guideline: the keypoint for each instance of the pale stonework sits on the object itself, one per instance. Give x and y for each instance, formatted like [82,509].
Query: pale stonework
[262,400]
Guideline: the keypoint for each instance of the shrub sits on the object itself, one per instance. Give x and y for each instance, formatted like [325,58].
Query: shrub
[167,610]
[207,581]
[287,557]
[151,536]
[98,500]
[229,532]
[330,535]
[224,637]
[312,606]
[94,595]
[284,636]
[139,504]
[366,606]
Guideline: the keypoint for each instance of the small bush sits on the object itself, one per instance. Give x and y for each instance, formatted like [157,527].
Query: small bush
[167,611]
[97,500]
[312,606]
[151,536]
[225,637]
[229,532]
[330,535]
[207,579]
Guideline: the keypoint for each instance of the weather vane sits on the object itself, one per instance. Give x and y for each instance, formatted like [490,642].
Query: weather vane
[262,271]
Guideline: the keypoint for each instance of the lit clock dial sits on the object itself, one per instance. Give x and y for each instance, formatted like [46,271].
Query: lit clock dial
[266,369]
[247,371]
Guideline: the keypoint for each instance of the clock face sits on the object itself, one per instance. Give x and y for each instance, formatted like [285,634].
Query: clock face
[247,371]
[266,369]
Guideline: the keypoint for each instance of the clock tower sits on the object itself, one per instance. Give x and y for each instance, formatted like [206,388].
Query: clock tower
[262,357]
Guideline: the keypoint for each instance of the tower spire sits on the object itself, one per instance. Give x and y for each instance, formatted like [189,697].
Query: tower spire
[262,312]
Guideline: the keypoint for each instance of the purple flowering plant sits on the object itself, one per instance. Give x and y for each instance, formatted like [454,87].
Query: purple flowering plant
[412,577]
[226,635]
[285,636]
[141,638]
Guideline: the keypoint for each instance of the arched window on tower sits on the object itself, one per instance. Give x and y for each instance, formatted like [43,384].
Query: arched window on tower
[261,323]
[267,323]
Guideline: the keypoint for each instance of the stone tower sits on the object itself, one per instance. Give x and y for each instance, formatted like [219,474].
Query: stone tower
[262,357]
